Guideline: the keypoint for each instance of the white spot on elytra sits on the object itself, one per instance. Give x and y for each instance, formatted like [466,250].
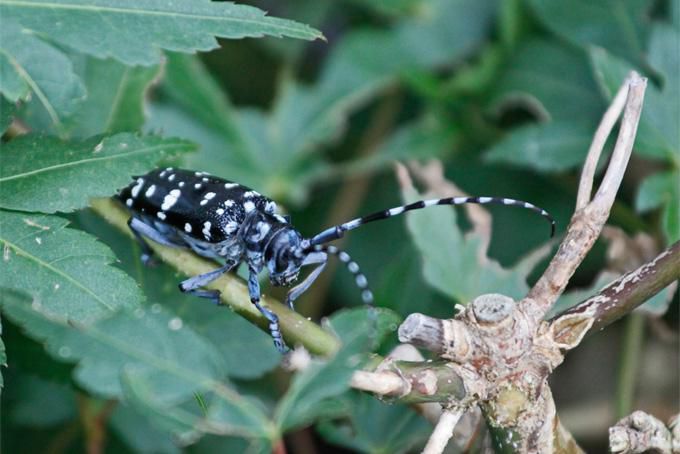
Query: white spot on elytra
[197,186]
[229,203]
[230,185]
[249,194]
[203,202]
[204,180]
[219,211]
[209,195]
[128,202]
[180,184]
[248,206]
[231,227]
[161,215]
[149,192]
[206,229]
[281,219]
[187,227]
[136,188]
[170,199]
[172,177]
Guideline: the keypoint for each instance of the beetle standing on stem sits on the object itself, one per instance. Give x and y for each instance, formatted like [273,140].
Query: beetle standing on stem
[224,220]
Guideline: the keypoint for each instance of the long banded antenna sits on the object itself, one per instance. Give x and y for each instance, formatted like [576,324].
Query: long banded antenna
[335,232]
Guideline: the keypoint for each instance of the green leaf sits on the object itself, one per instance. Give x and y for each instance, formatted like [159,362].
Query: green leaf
[313,390]
[554,83]
[374,426]
[658,136]
[552,80]
[42,403]
[139,434]
[656,190]
[147,357]
[33,69]
[662,189]
[457,264]
[550,147]
[3,358]
[46,174]
[619,26]
[115,99]
[67,271]
[271,151]
[7,110]
[189,84]
[133,31]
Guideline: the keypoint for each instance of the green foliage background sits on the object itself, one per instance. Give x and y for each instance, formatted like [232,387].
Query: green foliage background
[507,94]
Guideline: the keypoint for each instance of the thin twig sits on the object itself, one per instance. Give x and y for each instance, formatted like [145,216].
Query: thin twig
[629,291]
[587,221]
[599,139]
[443,431]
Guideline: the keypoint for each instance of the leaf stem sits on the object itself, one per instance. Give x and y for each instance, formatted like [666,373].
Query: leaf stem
[629,363]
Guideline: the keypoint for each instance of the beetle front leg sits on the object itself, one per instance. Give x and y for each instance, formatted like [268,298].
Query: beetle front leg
[274,329]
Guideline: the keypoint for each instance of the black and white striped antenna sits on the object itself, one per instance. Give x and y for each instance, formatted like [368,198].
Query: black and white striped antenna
[335,232]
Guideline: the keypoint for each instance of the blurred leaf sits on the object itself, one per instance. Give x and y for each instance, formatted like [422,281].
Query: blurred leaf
[139,434]
[33,69]
[312,392]
[554,83]
[115,97]
[211,444]
[393,7]
[46,174]
[273,152]
[189,84]
[158,362]
[656,190]
[662,189]
[67,271]
[95,27]
[619,26]
[222,411]
[550,147]
[424,138]
[42,403]
[246,350]
[456,264]
[376,427]
[7,110]
[658,135]
[3,359]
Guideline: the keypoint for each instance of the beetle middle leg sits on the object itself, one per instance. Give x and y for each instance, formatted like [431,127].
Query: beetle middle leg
[193,284]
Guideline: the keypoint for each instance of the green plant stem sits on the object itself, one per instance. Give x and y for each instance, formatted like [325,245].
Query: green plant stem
[234,293]
[629,364]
